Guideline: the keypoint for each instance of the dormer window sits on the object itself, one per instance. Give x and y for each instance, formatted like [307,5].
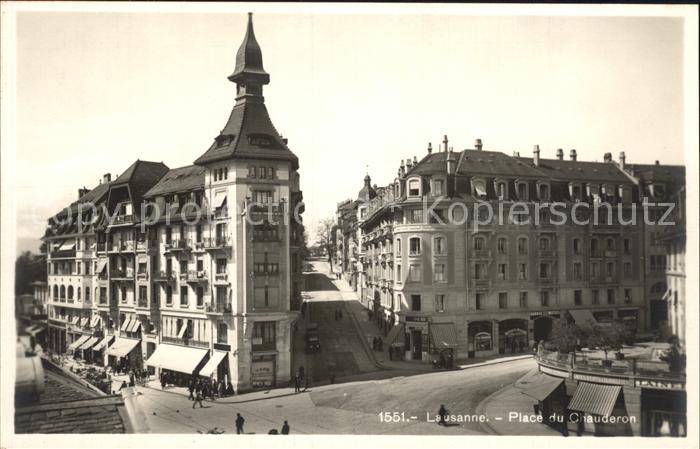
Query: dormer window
[414,187]
[543,192]
[657,190]
[575,192]
[501,190]
[594,192]
[522,191]
[224,140]
[259,140]
[438,187]
[479,188]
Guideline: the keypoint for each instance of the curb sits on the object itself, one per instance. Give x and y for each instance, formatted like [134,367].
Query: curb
[479,410]
[495,361]
[360,334]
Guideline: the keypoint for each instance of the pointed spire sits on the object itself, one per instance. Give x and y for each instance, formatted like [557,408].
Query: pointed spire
[249,63]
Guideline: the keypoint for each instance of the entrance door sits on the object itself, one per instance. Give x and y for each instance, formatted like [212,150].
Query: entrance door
[417,348]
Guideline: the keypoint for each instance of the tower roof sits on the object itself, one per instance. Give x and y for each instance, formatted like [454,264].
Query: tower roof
[249,63]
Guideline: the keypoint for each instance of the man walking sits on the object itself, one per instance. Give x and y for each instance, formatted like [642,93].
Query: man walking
[297,384]
[190,387]
[239,423]
[285,428]
[198,398]
[442,413]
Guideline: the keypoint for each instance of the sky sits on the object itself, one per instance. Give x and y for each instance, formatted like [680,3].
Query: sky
[96,91]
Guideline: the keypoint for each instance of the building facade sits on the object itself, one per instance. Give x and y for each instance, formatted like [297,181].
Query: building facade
[443,274]
[194,269]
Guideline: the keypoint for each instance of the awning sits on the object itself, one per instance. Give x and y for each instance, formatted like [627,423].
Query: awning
[213,363]
[183,328]
[542,386]
[101,265]
[394,334]
[103,343]
[219,199]
[443,335]
[177,358]
[67,245]
[89,343]
[582,317]
[122,346]
[135,323]
[35,329]
[78,342]
[75,320]
[125,324]
[595,399]
[95,321]
[480,188]
[84,321]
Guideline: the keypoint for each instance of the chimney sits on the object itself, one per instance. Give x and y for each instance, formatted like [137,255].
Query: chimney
[607,157]
[656,162]
[536,155]
[107,178]
[430,147]
[444,142]
[572,155]
[415,160]
[402,170]
[516,153]
[478,145]
[560,154]
[82,192]
[451,162]
[409,164]
[622,159]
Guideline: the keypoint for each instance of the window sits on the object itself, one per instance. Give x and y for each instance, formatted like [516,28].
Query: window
[439,245]
[262,196]
[627,246]
[595,270]
[142,268]
[398,273]
[70,292]
[503,300]
[415,273]
[576,192]
[479,188]
[251,171]
[502,245]
[438,187]
[78,294]
[595,297]
[578,298]
[502,271]
[544,244]
[123,294]
[87,295]
[200,296]
[183,266]
[544,270]
[522,191]
[595,250]
[479,301]
[479,271]
[183,296]
[414,187]
[168,235]
[544,298]
[522,272]
[627,267]
[417,216]
[143,293]
[398,247]
[522,245]
[610,269]
[220,266]
[523,300]
[479,244]
[543,191]
[628,295]
[222,333]
[501,190]
[80,267]
[610,244]
[439,274]
[439,303]
[578,271]
[414,246]
[611,296]
[577,247]
[264,334]
[415,303]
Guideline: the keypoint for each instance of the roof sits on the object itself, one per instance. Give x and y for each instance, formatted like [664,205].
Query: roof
[181,179]
[249,134]
[568,170]
[68,407]
[367,192]
[249,61]
[141,176]
[658,173]
[431,163]
[496,163]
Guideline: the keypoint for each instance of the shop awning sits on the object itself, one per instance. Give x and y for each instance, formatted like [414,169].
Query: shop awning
[89,343]
[78,342]
[133,327]
[125,325]
[67,245]
[395,336]
[103,343]
[443,335]
[183,328]
[75,320]
[122,346]
[95,321]
[84,321]
[213,363]
[35,329]
[101,265]
[595,399]
[177,358]
[219,199]
[582,317]
[542,386]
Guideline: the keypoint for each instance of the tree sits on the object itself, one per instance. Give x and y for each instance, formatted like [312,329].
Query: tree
[609,337]
[565,336]
[674,356]
[29,268]
[325,238]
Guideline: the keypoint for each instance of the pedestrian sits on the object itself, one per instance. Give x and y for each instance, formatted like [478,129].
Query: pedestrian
[229,389]
[190,387]
[340,314]
[205,389]
[442,413]
[301,371]
[131,378]
[239,423]
[123,385]
[285,428]
[381,344]
[162,381]
[297,384]
[198,399]
[222,388]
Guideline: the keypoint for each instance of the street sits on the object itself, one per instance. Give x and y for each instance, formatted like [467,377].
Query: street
[350,406]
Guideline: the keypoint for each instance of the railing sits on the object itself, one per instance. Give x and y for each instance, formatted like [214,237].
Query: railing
[142,276]
[118,273]
[66,253]
[482,253]
[144,246]
[545,253]
[124,219]
[180,245]
[219,307]
[185,342]
[164,276]
[632,367]
[217,242]
[197,276]
[221,277]
[482,282]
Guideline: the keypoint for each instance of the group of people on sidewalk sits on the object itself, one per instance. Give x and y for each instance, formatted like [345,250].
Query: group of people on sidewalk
[300,379]
[202,389]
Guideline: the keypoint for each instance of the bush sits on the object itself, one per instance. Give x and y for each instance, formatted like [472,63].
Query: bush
[565,336]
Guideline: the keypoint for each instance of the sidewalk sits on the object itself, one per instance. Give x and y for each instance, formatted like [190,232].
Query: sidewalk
[509,401]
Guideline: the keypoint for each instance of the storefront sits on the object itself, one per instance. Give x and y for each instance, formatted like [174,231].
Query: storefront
[664,411]
[512,336]
[396,341]
[599,410]
[263,370]
[123,354]
[417,338]
[629,318]
[182,362]
[77,342]
[217,366]
[443,337]
[480,341]
[99,349]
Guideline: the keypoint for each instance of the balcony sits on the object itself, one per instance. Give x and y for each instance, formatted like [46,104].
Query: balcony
[545,280]
[144,246]
[122,274]
[221,278]
[185,342]
[610,253]
[179,245]
[482,283]
[482,254]
[164,276]
[197,276]
[198,246]
[219,308]
[542,253]
[124,219]
[64,254]
[271,212]
[142,276]
[217,243]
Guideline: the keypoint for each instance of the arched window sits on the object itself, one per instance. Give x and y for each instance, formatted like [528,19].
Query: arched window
[543,192]
[610,244]
[222,333]
[439,245]
[414,246]
[522,191]
[502,245]
[87,295]
[479,187]
[594,247]
[544,244]
[522,245]
[63,292]
[70,292]
[55,292]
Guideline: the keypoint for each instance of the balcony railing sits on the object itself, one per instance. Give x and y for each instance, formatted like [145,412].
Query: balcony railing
[124,219]
[217,242]
[180,245]
[481,253]
[143,276]
[185,342]
[101,246]
[63,254]
[219,307]
[545,253]
[118,273]
[221,277]
[197,276]
[144,246]
[164,276]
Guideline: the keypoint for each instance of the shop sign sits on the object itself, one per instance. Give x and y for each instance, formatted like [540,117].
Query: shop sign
[659,384]
[418,319]
[602,380]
